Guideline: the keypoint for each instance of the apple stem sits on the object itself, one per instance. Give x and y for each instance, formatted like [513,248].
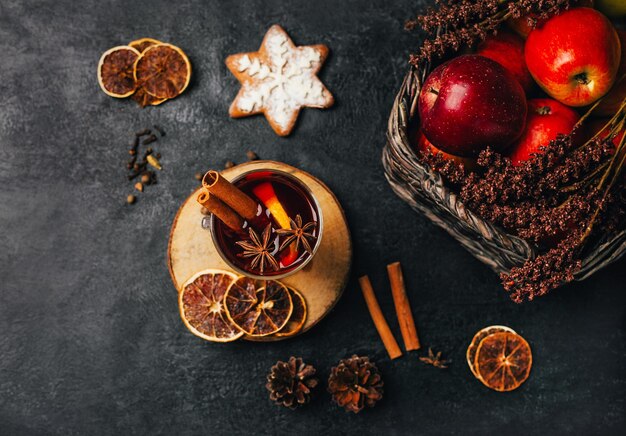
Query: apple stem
[434,91]
[582,78]
[543,110]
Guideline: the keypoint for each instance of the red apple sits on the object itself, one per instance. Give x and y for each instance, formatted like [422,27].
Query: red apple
[423,145]
[546,119]
[613,99]
[507,49]
[469,103]
[574,56]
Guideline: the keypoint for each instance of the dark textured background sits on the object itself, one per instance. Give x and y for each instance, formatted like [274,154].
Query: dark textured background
[90,337]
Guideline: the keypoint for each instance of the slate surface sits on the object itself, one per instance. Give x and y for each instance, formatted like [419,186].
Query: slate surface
[90,338]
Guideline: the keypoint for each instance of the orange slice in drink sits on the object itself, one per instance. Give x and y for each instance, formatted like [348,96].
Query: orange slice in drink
[503,361]
[201,305]
[258,311]
[265,192]
[115,71]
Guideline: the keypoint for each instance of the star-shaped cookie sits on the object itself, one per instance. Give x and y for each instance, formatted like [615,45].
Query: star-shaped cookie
[279,80]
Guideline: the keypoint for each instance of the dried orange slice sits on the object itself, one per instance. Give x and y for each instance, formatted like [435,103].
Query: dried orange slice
[298,315]
[144,99]
[482,334]
[143,43]
[201,304]
[258,311]
[503,361]
[163,70]
[115,71]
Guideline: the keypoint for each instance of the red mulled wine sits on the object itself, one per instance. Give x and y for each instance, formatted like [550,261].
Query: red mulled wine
[282,237]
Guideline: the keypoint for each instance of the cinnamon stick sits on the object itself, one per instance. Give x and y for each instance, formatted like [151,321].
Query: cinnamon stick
[221,188]
[221,210]
[379,319]
[403,307]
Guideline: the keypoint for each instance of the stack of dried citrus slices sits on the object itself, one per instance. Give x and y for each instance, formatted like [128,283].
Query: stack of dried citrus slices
[151,71]
[220,306]
[500,358]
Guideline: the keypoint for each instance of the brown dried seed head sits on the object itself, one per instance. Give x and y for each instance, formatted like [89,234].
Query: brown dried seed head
[139,186]
[131,199]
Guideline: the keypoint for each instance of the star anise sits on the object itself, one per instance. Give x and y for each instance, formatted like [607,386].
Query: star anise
[434,359]
[259,250]
[298,233]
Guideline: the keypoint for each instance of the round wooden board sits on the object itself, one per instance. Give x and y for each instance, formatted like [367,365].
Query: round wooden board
[321,282]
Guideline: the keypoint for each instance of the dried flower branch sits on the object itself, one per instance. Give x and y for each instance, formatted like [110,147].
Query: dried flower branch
[459,23]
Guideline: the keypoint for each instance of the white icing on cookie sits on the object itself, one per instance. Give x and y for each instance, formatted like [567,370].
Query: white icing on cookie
[284,83]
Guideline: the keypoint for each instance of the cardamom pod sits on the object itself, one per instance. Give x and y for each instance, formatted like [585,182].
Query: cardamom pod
[153,161]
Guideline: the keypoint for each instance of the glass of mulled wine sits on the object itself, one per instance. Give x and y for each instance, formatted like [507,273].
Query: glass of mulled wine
[284,235]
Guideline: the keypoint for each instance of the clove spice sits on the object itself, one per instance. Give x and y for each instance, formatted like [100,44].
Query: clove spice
[138,166]
[150,139]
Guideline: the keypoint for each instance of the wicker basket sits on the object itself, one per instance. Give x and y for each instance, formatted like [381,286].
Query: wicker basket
[425,191]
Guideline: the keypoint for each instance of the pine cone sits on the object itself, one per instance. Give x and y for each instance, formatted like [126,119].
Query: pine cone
[354,383]
[290,383]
